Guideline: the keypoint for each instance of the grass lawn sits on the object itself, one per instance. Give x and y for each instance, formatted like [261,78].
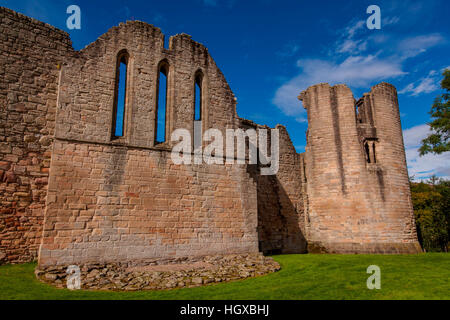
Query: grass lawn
[424,276]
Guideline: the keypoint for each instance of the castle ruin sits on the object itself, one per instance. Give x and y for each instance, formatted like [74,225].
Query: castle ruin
[73,191]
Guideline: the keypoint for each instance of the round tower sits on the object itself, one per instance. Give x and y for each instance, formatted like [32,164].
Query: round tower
[393,179]
[358,196]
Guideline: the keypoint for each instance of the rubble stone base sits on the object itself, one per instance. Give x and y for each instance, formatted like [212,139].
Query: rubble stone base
[163,274]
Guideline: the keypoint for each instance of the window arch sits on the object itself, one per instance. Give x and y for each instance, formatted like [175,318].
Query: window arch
[373,153]
[367,150]
[198,123]
[161,102]
[198,96]
[120,95]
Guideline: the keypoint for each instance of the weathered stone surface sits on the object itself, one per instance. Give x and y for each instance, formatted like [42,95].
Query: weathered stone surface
[115,200]
[358,194]
[28,80]
[172,274]
[45,141]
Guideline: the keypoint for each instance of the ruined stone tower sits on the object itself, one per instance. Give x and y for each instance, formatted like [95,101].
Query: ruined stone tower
[73,187]
[357,182]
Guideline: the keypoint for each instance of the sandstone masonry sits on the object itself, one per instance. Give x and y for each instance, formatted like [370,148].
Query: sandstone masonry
[70,187]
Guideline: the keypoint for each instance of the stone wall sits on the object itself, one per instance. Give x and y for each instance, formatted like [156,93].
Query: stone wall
[358,199]
[112,204]
[88,82]
[121,199]
[116,199]
[281,219]
[30,53]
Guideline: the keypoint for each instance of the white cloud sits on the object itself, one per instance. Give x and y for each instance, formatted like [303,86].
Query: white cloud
[353,29]
[352,46]
[354,71]
[414,46]
[347,43]
[413,136]
[427,84]
[424,167]
[301,120]
[359,61]
[390,20]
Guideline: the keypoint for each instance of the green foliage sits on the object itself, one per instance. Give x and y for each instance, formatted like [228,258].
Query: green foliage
[431,203]
[336,277]
[439,141]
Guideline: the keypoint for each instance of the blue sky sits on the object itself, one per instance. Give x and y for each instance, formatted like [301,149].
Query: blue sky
[271,50]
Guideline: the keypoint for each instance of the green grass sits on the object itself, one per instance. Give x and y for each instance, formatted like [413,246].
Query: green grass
[424,276]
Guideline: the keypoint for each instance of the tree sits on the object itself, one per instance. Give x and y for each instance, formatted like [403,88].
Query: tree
[432,212]
[439,141]
[433,180]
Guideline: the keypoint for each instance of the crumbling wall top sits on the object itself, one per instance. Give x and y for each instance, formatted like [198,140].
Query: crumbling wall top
[33,23]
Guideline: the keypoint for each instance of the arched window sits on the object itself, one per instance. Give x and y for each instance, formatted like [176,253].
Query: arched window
[198,100]
[367,149]
[374,154]
[198,96]
[120,96]
[161,102]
